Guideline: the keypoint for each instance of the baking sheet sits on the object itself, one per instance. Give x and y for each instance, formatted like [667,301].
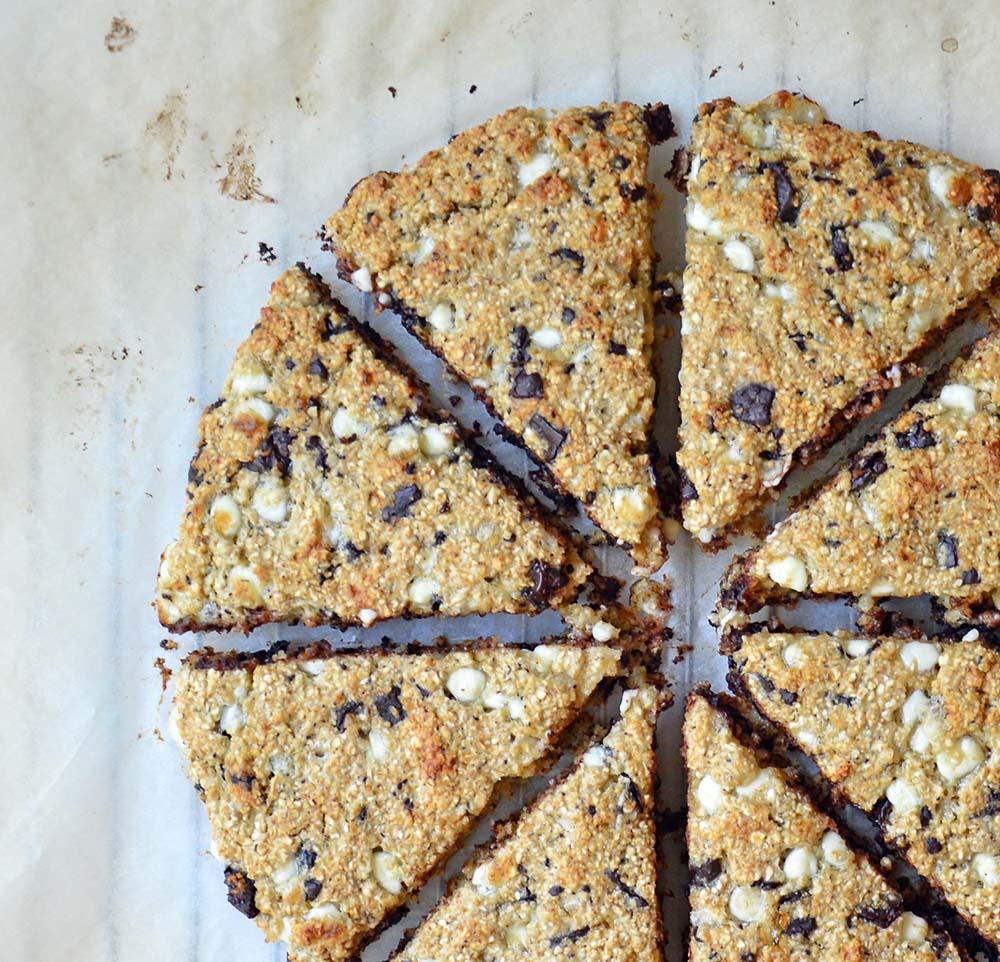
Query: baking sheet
[155,155]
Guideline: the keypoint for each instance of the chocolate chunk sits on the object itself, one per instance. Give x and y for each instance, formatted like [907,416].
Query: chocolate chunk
[315,443]
[765,885]
[947,550]
[242,892]
[568,254]
[795,896]
[625,889]
[352,551]
[803,927]
[925,816]
[318,369]
[932,845]
[877,159]
[799,340]
[527,385]
[573,936]
[599,118]
[273,452]
[341,712]
[620,162]
[788,697]
[866,468]
[840,248]
[982,213]
[632,192]
[659,122]
[519,346]
[389,707]
[784,193]
[568,315]
[556,890]
[706,873]
[549,433]
[882,811]
[615,348]
[311,887]
[751,404]
[546,580]
[916,436]
[842,311]
[331,329]
[992,807]
[404,498]
[881,916]
[305,859]
[839,699]
[970,576]
[688,491]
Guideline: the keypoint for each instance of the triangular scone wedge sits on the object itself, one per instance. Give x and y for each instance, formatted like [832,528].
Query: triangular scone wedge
[574,877]
[324,491]
[909,731]
[819,262]
[917,510]
[336,781]
[770,877]
[522,254]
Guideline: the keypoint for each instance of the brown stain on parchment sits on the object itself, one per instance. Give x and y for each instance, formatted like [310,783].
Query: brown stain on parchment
[164,135]
[241,181]
[121,35]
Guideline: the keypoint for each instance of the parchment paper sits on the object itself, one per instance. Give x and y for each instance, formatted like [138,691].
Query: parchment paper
[161,163]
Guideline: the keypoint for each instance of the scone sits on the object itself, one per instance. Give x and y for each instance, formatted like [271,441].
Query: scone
[820,262]
[522,254]
[324,491]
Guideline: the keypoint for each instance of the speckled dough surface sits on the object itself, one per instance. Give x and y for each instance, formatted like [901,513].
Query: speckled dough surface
[335,782]
[323,491]
[819,261]
[910,732]
[771,879]
[522,254]
[917,511]
[575,876]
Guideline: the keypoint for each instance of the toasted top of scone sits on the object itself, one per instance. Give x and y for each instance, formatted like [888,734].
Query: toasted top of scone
[916,511]
[770,877]
[574,877]
[522,254]
[819,261]
[324,491]
[335,782]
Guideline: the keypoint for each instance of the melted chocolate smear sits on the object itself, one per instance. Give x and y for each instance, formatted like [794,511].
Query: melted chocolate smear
[389,707]
[840,248]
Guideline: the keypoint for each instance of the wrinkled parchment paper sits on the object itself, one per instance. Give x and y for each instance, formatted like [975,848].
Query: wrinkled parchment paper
[161,164]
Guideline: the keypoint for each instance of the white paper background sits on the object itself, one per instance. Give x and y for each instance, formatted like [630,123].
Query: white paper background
[126,291]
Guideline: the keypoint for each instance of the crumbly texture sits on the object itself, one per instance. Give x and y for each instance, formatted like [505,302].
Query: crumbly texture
[770,877]
[908,730]
[914,512]
[335,782]
[819,262]
[324,491]
[522,254]
[575,876]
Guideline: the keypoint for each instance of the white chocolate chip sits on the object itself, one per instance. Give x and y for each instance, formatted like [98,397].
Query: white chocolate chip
[252,379]
[346,426]
[699,219]
[800,863]
[858,647]
[960,398]
[739,255]
[231,719]
[747,903]
[922,250]
[257,408]
[597,756]
[903,796]
[705,535]
[516,936]
[244,583]
[927,733]
[377,745]
[547,338]
[423,590]
[941,180]
[442,317]
[285,875]
[602,632]
[466,684]
[367,617]
[437,441]
[961,759]
[544,655]
[386,869]
[226,516]
[403,441]
[971,635]
[915,707]
[773,471]
[919,655]
[515,708]
[539,165]
[424,249]
[362,279]
[789,572]
[281,764]
[913,929]
[327,911]
[807,739]
[881,589]
[762,780]
[877,233]
[270,500]
[835,850]
[710,794]
[632,505]
[782,291]
[792,655]
[987,868]
[481,880]
[384,299]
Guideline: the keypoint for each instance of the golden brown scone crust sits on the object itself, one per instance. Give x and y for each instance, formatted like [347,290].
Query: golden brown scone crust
[908,730]
[335,782]
[771,879]
[324,491]
[916,511]
[819,261]
[574,877]
[522,254]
